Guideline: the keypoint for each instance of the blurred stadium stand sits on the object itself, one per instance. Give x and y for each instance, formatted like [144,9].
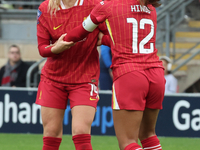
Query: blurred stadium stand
[21,4]
[18,26]
[178,35]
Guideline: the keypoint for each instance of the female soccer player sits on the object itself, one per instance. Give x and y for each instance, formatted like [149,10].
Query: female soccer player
[139,83]
[67,74]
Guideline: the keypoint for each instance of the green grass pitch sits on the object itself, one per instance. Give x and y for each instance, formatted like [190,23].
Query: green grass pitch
[34,142]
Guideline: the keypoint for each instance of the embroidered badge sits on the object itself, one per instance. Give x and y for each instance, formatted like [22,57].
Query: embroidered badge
[38,15]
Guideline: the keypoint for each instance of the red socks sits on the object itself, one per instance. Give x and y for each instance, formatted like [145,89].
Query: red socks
[133,146]
[151,143]
[82,142]
[51,143]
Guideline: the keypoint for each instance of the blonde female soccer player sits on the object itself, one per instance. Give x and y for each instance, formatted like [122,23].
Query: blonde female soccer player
[67,74]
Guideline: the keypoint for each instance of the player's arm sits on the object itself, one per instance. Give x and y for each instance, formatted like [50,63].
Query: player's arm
[104,40]
[103,28]
[43,39]
[49,50]
[43,48]
[103,37]
[97,16]
[81,31]
[43,36]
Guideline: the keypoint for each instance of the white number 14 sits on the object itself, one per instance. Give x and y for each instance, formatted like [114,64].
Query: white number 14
[142,50]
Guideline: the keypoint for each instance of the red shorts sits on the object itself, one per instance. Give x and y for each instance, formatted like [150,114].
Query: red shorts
[138,90]
[56,96]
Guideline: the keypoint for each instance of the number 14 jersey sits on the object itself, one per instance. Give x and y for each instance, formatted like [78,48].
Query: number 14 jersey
[132,29]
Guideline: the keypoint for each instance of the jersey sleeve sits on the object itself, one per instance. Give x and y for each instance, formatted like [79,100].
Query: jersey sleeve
[106,40]
[43,35]
[103,28]
[100,12]
[42,25]
[42,47]
[96,17]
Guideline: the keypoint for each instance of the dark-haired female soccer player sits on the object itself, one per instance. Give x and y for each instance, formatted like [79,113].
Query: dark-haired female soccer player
[139,83]
[67,74]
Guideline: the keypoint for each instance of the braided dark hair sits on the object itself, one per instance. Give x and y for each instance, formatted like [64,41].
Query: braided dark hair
[154,3]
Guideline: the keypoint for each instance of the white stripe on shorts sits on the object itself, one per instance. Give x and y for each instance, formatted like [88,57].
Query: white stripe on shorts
[81,3]
[115,103]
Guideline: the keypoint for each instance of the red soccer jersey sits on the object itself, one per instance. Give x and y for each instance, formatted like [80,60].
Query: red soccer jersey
[80,63]
[132,28]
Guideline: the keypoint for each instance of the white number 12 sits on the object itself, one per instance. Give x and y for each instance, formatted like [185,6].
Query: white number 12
[142,50]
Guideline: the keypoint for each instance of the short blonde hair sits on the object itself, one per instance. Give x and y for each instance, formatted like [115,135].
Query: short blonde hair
[53,6]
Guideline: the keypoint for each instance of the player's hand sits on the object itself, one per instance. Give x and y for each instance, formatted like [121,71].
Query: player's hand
[51,45]
[100,36]
[61,45]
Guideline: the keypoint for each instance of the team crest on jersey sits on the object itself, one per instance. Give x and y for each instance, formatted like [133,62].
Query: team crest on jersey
[38,15]
[102,2]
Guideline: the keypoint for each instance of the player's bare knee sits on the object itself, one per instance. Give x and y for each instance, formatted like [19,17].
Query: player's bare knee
[52,131]
[81,129]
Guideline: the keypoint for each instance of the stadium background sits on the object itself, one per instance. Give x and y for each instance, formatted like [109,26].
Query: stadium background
[178,36]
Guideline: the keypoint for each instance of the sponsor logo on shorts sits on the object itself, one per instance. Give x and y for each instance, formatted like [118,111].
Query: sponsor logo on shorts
[92,99]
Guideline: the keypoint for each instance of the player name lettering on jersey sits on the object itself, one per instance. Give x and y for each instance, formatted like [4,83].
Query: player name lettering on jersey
[140,8]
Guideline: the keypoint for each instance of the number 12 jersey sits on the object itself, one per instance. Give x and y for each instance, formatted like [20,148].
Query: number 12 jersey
[132,29]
